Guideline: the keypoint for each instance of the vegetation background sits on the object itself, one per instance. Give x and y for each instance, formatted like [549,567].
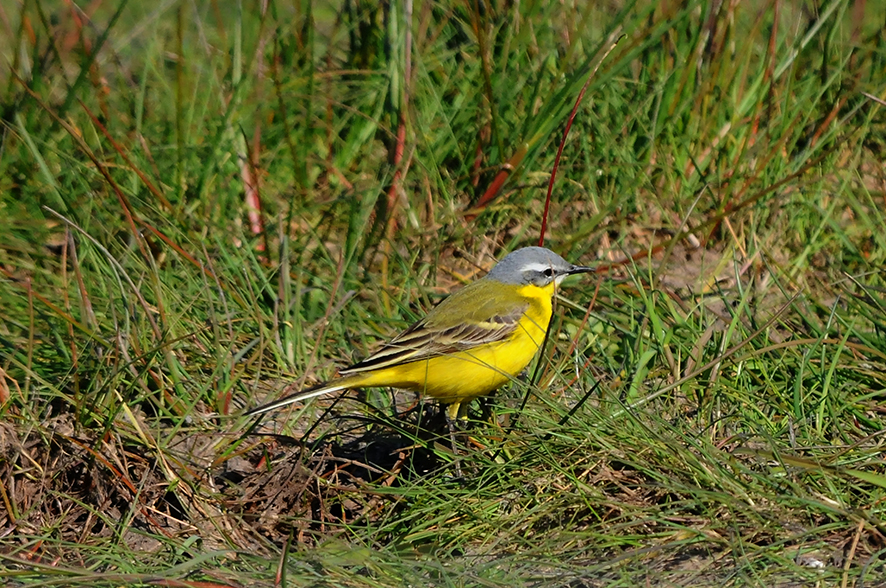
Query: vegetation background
[206,204]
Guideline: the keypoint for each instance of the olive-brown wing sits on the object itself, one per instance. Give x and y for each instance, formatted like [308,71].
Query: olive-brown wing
[425,339]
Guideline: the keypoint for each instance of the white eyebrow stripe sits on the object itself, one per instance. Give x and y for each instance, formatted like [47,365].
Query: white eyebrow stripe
[536,267]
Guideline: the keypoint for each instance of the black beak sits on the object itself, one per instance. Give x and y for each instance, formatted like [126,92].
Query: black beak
[580,269]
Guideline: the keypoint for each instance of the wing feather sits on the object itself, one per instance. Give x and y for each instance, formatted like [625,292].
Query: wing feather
[424,340]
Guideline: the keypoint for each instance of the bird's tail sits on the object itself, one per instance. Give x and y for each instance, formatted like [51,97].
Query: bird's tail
[302,395]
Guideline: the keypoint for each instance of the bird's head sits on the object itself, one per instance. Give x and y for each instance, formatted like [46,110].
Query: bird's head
[534,265]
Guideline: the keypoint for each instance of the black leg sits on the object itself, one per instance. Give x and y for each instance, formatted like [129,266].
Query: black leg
[452,415]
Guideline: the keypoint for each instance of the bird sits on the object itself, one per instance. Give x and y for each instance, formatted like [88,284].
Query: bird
[469,345]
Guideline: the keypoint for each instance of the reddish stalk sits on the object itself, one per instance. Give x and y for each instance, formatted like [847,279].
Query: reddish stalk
[120,151]
[544,218]
[493,189]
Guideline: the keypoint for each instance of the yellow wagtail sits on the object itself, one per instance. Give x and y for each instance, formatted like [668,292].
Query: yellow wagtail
[470,344]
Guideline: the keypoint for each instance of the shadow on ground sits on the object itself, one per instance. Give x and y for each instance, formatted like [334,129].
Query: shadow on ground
[301,486]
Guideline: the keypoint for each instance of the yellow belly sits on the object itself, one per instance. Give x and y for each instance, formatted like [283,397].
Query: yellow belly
[463,376]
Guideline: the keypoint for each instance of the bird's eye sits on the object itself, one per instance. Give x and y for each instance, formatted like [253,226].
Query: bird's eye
[548,273]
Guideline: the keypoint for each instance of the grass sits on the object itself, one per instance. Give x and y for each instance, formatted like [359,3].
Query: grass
[204,205]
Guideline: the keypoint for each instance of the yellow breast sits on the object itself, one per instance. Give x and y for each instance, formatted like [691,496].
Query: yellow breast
[463,376]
